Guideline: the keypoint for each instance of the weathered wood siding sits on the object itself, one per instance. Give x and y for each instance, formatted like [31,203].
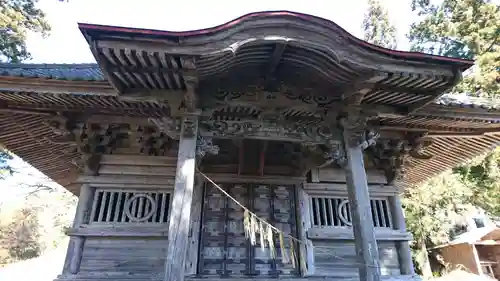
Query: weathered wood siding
[489,256]
[124,255]
[331,233]
[126,225]
[461,255]
[337,258]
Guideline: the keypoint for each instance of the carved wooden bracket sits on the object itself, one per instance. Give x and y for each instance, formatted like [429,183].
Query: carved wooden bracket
[92,139]
[393,155]
[153,142]
[205,146]
[170,126]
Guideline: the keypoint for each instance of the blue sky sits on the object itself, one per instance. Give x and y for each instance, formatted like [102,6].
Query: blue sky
[66,44]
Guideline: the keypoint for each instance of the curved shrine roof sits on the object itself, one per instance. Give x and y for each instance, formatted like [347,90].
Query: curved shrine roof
[305,56]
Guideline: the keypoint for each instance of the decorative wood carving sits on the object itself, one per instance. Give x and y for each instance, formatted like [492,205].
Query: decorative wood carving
[291,131]
[152,142]
[205,146]
[170,126]
[393,155]
[357,130]
[92,139]
[189,126]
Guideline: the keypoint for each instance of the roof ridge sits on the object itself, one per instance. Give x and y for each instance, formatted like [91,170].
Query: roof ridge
[49,65]
[466,99]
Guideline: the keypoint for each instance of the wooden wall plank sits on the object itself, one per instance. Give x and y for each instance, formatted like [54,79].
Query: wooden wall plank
[343,233]
[338,258]
[136,170]
[123,255]
[341,189]
[138,160]
[339,175]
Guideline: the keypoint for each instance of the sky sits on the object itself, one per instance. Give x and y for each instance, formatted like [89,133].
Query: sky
[65,44]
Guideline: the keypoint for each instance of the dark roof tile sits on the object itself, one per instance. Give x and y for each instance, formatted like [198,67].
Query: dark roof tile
[82,72]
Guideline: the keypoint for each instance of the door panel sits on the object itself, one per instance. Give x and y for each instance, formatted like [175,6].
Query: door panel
[225,251]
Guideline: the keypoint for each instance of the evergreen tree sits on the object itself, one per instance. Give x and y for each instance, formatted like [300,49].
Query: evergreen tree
[17,18]
[377,27]
[466,29]
[5,168]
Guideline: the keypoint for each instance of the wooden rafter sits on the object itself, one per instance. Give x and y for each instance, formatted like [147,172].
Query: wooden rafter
[104,64]
[279,48]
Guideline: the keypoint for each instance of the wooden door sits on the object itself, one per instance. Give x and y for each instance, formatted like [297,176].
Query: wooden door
[225,252]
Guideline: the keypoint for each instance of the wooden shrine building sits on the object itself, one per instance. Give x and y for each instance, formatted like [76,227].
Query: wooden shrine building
[313,130]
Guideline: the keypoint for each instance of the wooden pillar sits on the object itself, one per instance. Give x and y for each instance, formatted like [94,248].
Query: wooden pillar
[304,219]
[180,214]
[194,230]
[75,247]
[359,201]
[403,247]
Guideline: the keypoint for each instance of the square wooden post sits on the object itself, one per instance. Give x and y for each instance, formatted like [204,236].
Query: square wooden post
[359,201]
[180,211]
[76,243]
[403,247]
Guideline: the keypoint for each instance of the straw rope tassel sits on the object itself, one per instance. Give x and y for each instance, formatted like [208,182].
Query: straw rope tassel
[270,241]
[292,254]
[246,224]
[284,252]
[253,229]
[261,236]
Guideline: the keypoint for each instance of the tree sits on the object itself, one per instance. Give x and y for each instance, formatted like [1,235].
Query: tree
[5,168]
[466,29]
[17,18]
[482,176]
[377,27]
[432,211]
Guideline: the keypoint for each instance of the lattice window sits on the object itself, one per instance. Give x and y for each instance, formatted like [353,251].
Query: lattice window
[117,206]
[335,212]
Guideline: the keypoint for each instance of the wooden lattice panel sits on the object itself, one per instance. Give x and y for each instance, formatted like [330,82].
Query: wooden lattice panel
[117,206]
[327,211]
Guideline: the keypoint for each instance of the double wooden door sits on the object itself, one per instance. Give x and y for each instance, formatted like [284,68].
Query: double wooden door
[224,251]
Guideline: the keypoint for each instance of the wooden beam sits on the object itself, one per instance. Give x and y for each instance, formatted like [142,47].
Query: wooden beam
[262,159]
[180,216]
[359,201]
[355,92]
[241,157]
[279,48]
